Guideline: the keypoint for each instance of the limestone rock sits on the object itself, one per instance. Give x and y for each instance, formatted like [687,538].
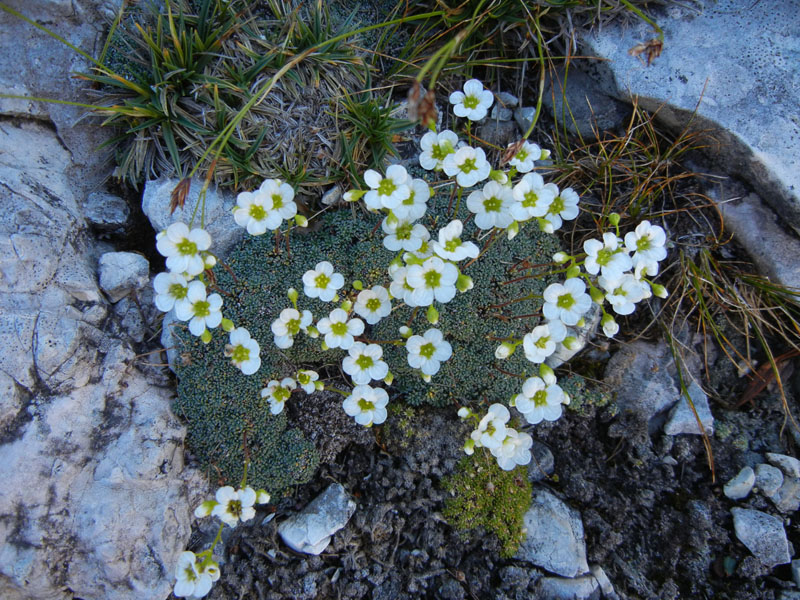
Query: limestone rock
[788,464]
[557,588]
[554,536]
[311,529]
[682,419]
[122,273]
[768,479]
[106,211]
[752,118]
[763,535]
[542,462]
[740,486]
[606,587]
[218,206]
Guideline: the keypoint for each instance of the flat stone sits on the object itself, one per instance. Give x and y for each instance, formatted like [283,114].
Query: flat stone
[106,211]
[499,133]
[553,536]
[556,588]
[501,113]
[763,535]
[796,572]
[310,530]
[740,86]
[506,100]
[769,479]
[606,587]
[788,464]
[787,498]
[122,273]
[682,418]
[741,485]
[332,196]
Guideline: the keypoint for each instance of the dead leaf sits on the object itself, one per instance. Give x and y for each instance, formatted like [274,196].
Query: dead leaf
[178,197]
[651,49]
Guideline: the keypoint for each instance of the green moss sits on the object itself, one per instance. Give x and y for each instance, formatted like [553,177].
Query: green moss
[583,394]
[482,495]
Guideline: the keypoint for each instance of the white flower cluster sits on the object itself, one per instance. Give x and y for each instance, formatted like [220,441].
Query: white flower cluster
[196,573]
[510,447]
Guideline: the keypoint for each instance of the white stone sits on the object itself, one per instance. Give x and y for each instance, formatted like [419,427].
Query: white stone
[609,593]
[506,100]
[122,273]
[332,196]
[106,211]
[682,418]
[553,536]
[740,486]
[557,588]
[768,479]
[524,116]
[788,464]
[763,535]
[310,530]
[500,113]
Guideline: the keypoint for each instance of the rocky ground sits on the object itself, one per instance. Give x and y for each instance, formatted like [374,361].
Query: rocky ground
[625,504]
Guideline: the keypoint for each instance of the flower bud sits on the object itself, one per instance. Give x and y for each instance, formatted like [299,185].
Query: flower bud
[498,176]
[206,336]
[426,378]
[389,378]
[659,290]
[209,261]
[544,155]
[412,259]
[512,230]
[613,218]
[293,295]
[227,325]
[312,332]
[504,350]
[432,315]
[469,447]
[391,220]
[262,497]
[573,271]
[464,412]
[597,295]
[353,195]
[319,386]
[205,509]
[571,343]
[358,285]
[546,372]
[464,283]
[301,221]
[561,257]
[346,306]
[610,326]
[324,346]
[405,331]
[565,399]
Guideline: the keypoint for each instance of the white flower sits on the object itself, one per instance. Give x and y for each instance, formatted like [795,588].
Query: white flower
[399,287]
[474,102]
[532,197]
[202,312]
[606,255]
[192,581]
[524,158]
[624,293]
[266,208]
[307,379]
[403,235]
[450,246]
[367,405]
[321,282]
[491,205]
[338,330]
[491,430]
[468,165]
[288,324]
[433,279]
[609,325]
[566,302]
[389,191]
[426,352]
[647,243]
[514,450]
[169,287]
[414,207]
[244,351]
[234,505]
[277,393]
[435,147]
[372,305]
[364,363]
[564,207]
[539,400]
[183,247]
[541,342]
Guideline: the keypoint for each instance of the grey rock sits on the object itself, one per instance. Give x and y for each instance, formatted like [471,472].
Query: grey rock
[769,479]
[506,100]
[588,109]
[740,486]
[131,319]
[501,113]
[682,419]
[763,535]
[332,196]
[499,133]
[542,462]
[641,373]
[523,115]
[310,530]
[106,211]
[788,464]
[556,588]
[756,227]
[743,89]
[122,273]
[581,335]
[787,498]
[553,536]
[796,572]
[218,206]
[169,341]
[789,595]
[606,587]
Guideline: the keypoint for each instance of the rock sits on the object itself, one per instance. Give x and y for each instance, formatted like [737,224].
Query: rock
[768,479]
[218,206]
[581,335]
[741,92]
[554,536]
[122,273]
[501,113]
[506,100]
[556,588]
[310,530]
[787,498]
[588,109]
[332,196]
[499,133]
[542,462]
[524,117]
[739,487]
[763,535]
[642,375]
[682,418]
[788,464]
[757,228]
[105,211]
[796,572]
[606,587]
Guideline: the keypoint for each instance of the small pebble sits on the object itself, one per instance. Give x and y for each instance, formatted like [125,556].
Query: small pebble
[739,487]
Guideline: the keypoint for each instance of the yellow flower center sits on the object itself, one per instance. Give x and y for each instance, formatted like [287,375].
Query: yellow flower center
[240,354]
[433,279]
[373,304]
[178,291]
[364,362]
[427,350]
[492,204]
[201,308]
[386,187]
[322,281]
[565,301]
[187,247]
[257,212]
[339,329]
[277,201]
